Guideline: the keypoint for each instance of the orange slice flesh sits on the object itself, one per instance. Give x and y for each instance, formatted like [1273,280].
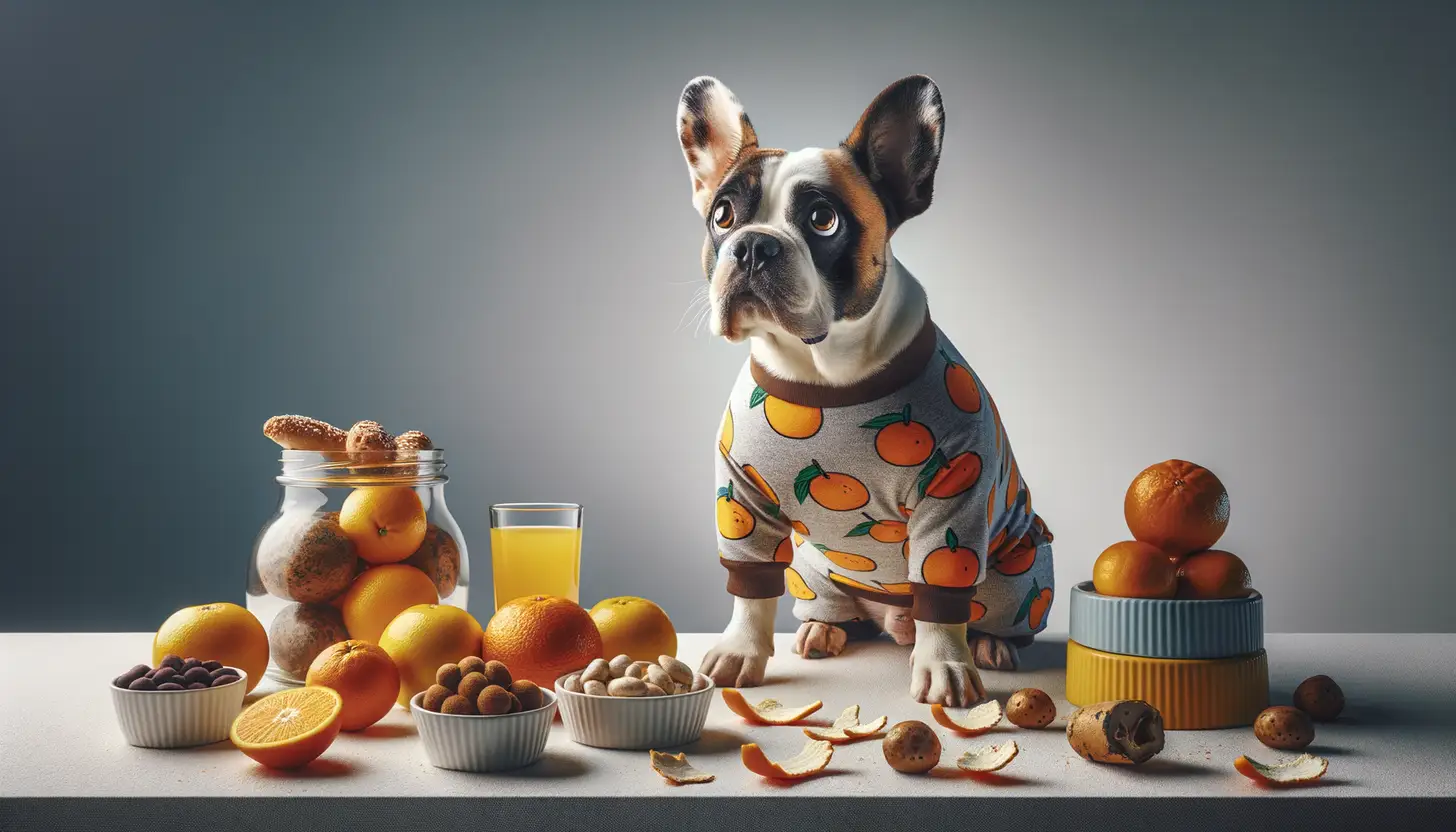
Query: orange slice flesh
[676,769]
[988,758]
[767,712]
[812,759]
[976,721]
[1306,768]
[847,728]
[289,729]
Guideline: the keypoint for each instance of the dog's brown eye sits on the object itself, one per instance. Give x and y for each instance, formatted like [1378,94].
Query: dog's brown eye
[823,220]
[723,214]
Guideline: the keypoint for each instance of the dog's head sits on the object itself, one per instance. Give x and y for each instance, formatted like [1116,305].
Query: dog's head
[797,240]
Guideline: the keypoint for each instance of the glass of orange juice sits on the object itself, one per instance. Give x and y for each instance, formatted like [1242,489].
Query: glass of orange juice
[535,549]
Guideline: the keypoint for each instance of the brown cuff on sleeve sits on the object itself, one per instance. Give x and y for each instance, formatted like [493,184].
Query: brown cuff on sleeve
[750,579]
[941,605]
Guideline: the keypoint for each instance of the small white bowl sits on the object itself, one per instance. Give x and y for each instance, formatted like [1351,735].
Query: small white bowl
[179,718]
[635,722]
[484,743]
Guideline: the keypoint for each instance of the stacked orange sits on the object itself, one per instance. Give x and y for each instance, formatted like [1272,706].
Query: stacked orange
[1176,511]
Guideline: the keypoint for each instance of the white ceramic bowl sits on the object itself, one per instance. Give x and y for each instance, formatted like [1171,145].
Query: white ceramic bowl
[179,718]
[484,743]
[635,722]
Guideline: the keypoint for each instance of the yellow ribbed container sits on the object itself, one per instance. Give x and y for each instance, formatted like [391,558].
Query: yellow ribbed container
[1192,694]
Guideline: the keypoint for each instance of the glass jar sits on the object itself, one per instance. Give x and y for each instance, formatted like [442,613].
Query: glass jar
[357,538]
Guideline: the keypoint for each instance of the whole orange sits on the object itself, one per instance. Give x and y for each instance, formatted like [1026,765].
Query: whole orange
[215,632]
[1177,506]
[634,626]
[386,523]
[381,593]
[289,729]
[422,638]
[542,637]
[364,677]
[1213,574]
[1132,569]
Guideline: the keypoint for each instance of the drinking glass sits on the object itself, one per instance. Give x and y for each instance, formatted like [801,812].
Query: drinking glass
[535,549]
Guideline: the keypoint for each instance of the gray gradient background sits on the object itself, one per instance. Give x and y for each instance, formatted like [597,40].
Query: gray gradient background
[1222,232]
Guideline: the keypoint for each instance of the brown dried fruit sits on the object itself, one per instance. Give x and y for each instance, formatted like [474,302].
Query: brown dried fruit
[471,684]
[1126,732]
[1030,708]
[212,666]
[493,700]
[449,676]
[438,557]
[198,686]
[911,747]
[497,673]
[196,674]
[1285,728]
[170,686]
[137,672]
[142,684]
[471,664]
[171,660]
[300,632]
[163,674]
[306,558]
[459,706]
[188,664]
[223,679]
[435,697]
[1319,697]
[528,693]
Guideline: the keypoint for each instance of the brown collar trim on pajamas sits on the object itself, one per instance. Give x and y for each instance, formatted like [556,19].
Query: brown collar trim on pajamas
[900,371]
[885,598]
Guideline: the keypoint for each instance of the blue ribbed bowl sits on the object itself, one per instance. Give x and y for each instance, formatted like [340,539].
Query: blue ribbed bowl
[1167,629]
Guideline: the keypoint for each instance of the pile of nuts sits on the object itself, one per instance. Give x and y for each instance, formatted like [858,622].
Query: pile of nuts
[624,677]
[475,687]
[177,673]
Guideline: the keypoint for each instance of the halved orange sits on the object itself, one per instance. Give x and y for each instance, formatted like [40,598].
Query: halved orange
[289,729]
[767,712]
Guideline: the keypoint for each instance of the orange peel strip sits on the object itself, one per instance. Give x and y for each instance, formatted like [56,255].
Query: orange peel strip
[767,712]
[676,769]
[976,721]
[847,728]
[1306,768]
[812,758]
[988,758]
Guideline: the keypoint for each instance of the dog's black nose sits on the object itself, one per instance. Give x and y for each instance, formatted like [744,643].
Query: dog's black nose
[755,249]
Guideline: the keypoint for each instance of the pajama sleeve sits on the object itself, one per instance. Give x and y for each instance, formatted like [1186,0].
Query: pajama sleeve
[751,530]
[949,530]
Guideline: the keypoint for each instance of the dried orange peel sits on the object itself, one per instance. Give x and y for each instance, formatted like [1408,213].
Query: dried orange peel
[676,769]
[976,721]
[767,712]
[988,758]
[1306,768]
[812,758]
[847,728]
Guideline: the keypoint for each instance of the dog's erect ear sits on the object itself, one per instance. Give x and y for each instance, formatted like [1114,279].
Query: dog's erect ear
[714,132]
[897,145]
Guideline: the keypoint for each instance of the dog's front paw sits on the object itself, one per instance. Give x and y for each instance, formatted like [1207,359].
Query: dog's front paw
[941,667]
[737,661]
[817,640]
[993,653]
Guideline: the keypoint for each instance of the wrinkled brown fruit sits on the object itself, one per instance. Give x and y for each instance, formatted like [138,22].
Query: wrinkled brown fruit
[1128,732]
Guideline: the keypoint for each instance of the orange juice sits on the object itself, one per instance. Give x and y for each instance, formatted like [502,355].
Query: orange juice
[535,560]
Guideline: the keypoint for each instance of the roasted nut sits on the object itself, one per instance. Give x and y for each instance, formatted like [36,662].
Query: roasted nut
[1030,708]
[197,673]
[597,671]
[165,673]
[471,664]
[528,693]
[189,663]
[619,665]
[198,686]
[494,700]
[700,682]
[679,687]
[212,666]
[458,705]
[1319,697]
[132,675]
[142,684]
[497,673]
[653,690]
[224,679]
[449,676]
[171,660]
[1285,728]
[637,670]
[657,676]
[515,704]
[435,697]
[627,686]
[679,671]
[572,683]
[170,686]
[595,688]
[224,671]
[911,747]
[471,685]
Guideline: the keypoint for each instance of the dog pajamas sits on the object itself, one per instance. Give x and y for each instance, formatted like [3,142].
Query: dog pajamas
[901,489]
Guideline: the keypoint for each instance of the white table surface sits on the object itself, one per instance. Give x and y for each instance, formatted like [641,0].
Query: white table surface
[1397,738]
